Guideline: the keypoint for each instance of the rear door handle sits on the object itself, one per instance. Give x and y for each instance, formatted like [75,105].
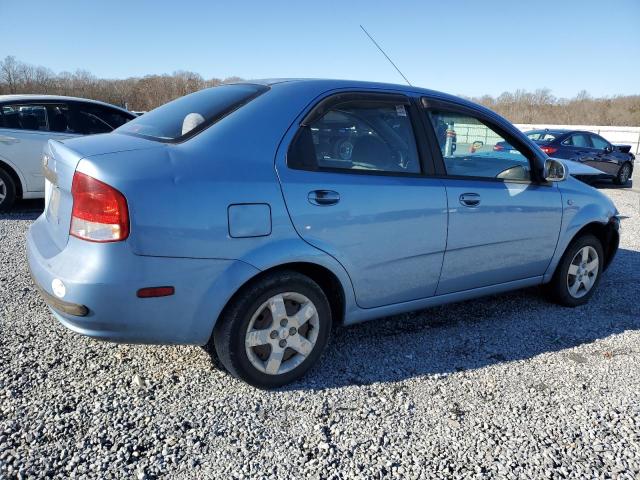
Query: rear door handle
[323,198]
[470,199]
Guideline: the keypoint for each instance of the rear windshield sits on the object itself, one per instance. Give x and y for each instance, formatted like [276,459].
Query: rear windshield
[541,136]
[186,116]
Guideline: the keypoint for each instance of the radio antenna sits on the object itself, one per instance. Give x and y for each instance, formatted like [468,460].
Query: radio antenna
[386,56]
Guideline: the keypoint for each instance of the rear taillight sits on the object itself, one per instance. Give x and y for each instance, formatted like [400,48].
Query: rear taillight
[548,150]
[498,148]
[100,212]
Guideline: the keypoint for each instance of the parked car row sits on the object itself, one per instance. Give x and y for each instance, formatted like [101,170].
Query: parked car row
[254,216]
[27,122]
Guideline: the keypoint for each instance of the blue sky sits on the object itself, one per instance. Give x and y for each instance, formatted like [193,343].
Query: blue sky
[461,47]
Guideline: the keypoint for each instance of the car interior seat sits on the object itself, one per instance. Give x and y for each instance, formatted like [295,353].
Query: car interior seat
[59,123]
[29,122]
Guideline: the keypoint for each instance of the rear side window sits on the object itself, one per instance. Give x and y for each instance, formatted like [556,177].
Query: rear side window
[362,135]
[188,115]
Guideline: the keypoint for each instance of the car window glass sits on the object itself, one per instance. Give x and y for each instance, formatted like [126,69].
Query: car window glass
[188,115]
[541,136]
[578,140]
[24,117]
[358,135]
[60,118]
[90,119]
[599,142]
[471,148]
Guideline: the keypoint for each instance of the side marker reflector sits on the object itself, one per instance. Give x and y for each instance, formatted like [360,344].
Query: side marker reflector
[152,292]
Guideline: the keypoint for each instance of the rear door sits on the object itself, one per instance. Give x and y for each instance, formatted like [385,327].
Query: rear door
[503,226]
[577,147]
[354,184]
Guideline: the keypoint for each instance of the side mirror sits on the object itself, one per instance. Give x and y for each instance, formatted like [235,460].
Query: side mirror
[554,170]
[608,149]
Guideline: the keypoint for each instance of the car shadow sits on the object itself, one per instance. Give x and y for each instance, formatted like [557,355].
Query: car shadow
[607,184]
[479,333]
[24,210]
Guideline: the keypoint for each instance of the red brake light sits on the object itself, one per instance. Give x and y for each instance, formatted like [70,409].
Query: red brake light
[498,148]
[548,150]
[100,212]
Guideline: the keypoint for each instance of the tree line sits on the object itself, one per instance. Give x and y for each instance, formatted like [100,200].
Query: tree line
[150,91]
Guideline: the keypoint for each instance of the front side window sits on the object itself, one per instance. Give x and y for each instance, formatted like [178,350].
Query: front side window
[472,149]
[599,142]
[580,140]
[24,117]
[188,115]
[358,135]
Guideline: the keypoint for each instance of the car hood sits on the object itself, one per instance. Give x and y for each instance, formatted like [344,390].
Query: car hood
[577,168]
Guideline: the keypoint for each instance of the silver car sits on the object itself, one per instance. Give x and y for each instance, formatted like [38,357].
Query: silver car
[28,122]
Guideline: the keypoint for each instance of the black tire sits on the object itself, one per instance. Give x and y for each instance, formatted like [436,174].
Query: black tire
[231,329]
[624,174]
[558,288]
[7,190]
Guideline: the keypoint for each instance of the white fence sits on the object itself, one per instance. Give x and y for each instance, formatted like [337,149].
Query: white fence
[616,135]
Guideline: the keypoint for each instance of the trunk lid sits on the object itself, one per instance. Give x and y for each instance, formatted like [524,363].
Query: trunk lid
[59,165]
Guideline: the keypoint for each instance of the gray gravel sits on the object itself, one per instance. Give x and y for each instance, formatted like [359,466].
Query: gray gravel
[503,387]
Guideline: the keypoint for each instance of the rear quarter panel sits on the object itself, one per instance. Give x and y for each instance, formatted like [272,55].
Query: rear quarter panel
[179,194]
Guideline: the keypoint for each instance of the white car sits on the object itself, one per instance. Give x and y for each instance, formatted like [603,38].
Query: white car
[27,122]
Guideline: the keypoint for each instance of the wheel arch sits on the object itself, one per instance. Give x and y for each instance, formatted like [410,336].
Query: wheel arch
[608,235]
[327,280]
[13,173]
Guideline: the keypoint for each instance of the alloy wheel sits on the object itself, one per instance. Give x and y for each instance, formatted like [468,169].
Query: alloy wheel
[282,332]
[583,271]
[625,173]
[3,190]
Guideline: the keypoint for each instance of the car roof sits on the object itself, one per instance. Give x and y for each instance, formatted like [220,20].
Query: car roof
[29,97]
[555,131]
[325,84]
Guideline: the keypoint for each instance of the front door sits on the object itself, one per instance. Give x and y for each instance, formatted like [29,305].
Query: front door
[354,186]
[502,225]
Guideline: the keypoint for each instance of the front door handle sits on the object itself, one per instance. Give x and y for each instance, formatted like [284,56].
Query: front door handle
[323,198]
[470,199]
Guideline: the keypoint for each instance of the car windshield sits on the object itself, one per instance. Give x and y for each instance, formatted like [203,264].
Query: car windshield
[188,115]
[541,136]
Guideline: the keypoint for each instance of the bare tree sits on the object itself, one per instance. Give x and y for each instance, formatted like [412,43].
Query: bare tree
[150,91]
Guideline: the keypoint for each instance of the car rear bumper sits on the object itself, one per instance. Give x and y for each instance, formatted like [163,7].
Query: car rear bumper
[101,283]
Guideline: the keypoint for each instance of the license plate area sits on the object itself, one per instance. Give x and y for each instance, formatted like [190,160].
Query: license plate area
[53,205]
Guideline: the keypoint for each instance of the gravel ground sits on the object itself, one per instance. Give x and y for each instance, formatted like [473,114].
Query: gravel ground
[502,387]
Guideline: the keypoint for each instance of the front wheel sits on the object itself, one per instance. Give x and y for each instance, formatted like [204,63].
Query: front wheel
[274,330]
[578,273]
[624,174]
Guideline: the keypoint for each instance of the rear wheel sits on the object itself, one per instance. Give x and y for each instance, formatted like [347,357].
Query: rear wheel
[274,330]
[578,273]
[7,191]
[624,174]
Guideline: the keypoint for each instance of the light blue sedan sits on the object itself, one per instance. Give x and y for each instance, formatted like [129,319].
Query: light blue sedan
[257,215]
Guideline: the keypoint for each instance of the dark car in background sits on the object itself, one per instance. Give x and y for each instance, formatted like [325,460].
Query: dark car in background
[616,161]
